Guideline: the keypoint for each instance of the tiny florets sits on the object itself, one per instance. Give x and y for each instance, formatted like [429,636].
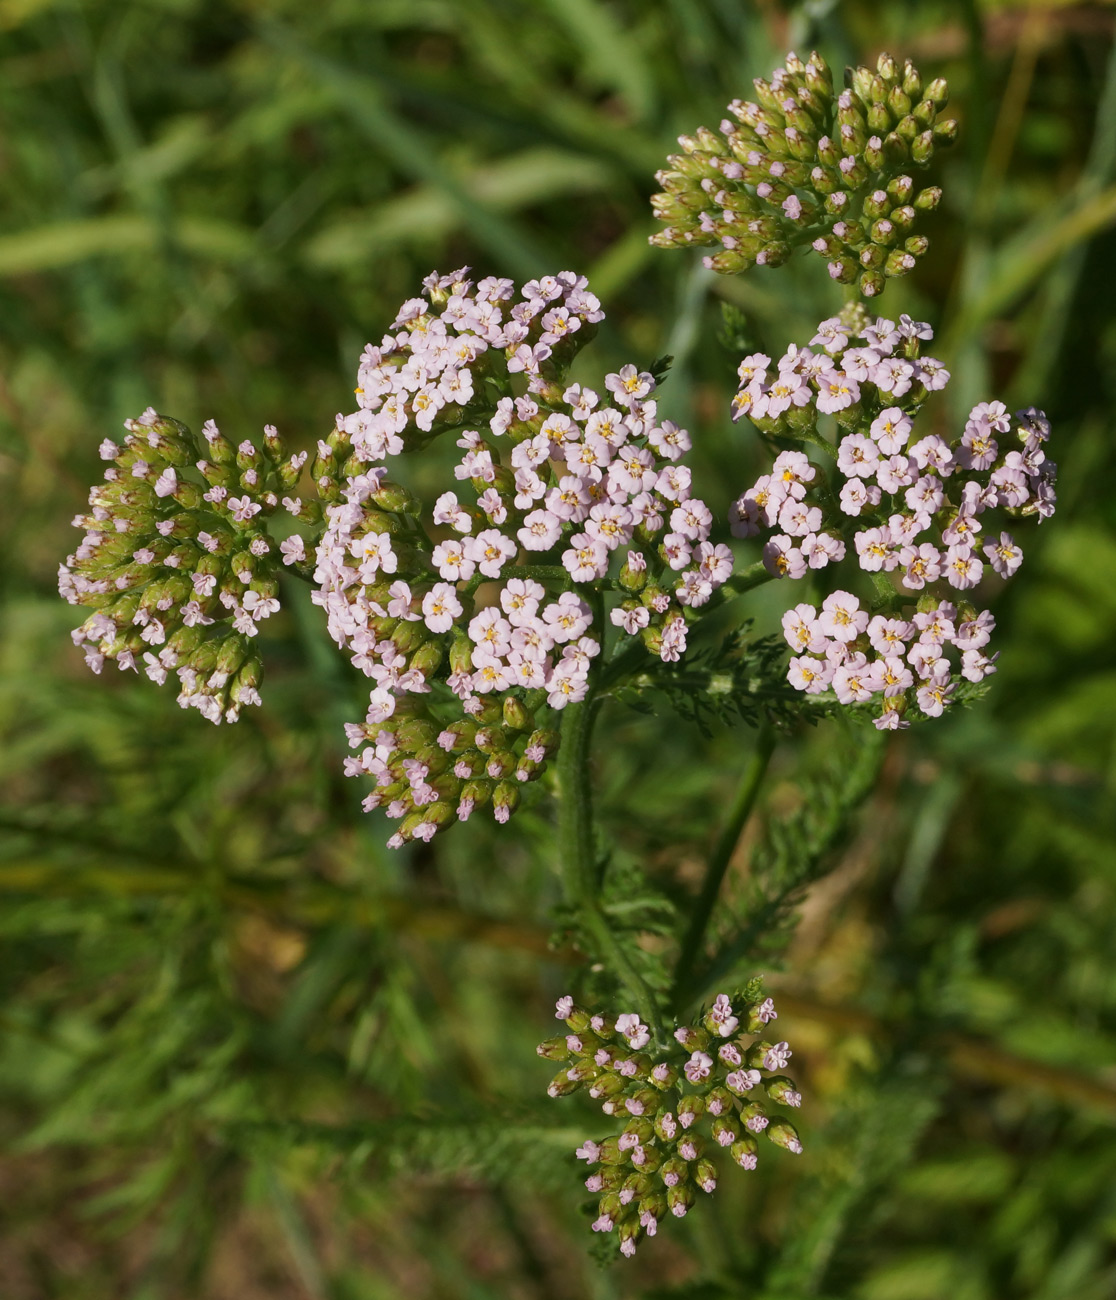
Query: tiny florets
[679,1100]
[487,604]
[181,572]
[915,512]
[803,165]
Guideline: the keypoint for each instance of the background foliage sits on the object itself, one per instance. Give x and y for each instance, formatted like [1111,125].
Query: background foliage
[246,1052]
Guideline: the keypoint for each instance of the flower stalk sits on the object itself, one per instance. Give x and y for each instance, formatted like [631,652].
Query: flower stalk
[719,859]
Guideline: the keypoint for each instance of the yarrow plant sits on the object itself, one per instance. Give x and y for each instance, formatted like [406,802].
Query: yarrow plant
[565,558]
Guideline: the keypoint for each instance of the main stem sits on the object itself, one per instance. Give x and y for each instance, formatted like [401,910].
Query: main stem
[721,856]
[577,847]
[575,807]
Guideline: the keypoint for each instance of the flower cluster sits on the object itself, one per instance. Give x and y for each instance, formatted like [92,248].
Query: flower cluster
[498,592]
[679,1103]
[182,573]
[914,510]
[801,166]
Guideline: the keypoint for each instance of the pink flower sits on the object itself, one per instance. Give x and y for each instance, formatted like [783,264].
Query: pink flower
[1004,555]
[242,508]
[698,1067]
[923,564]
[841,616]
[440,607]
[857,456]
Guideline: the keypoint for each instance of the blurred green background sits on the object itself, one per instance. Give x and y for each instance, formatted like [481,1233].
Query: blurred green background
[245,1052]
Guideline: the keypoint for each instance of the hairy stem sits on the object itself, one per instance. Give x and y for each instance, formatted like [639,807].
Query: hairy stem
[755,575]
[577,847]
[575,806]
[722,854]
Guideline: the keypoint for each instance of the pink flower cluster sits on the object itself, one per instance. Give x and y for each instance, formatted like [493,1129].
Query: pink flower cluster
[430,369]
[560,487]
[910,506]
[844,649]
[165,558]
[661,1160]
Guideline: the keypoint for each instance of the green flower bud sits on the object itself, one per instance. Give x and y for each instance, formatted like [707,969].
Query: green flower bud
[461,653]
[247,679]
[248,456]
[899,262]
[673,1170]
[843,270]
[729,263]
[639,1128]
[397,499]
[937,92]
[646,1098]
[427,659]
[553,1049]
[632,579]
[654,1203]
[928,199]
[501,763]
[490,713]
[680,1198]
[562,1086]
[925,114]
[505,800]
[899,103]
[908,128]
[691,1105]
[752,1110]
[188,495]
[871,284]
[780,1088]
[610,1153]
[233,651]
[896,150]
[744,1150]
[516,716]
[922,149]
[773,254]
[724,1127]
[784,1134]
[705,1175]
[408,636]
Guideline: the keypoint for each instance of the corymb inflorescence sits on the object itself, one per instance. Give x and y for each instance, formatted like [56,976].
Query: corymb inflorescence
[714,1088]
[480,615]
[925,517]
[177,562]
[803,166]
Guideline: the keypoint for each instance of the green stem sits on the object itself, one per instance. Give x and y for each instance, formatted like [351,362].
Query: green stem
[722,854]
[755,575]
[575,806]
[577,847]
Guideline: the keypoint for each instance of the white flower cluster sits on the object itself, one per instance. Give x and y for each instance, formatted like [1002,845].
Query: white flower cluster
[165,558]
[904,505]
[553,488]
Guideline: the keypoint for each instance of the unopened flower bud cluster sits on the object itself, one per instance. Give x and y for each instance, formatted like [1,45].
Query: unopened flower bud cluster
[914,511]
[709,1090]
[801,166]
[181,573]
[492,593]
